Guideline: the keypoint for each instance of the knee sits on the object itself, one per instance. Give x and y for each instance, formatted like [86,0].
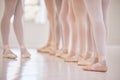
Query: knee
[7,15]
[62,17]
[18,16]
[51,17]
[71,18]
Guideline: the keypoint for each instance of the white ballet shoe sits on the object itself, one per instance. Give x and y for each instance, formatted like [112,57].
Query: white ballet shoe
[9,54]
[98,67]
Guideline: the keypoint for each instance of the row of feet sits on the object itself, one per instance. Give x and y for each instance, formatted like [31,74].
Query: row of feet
[87,63]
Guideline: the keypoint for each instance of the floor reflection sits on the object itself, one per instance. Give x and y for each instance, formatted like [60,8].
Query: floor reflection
[45,67]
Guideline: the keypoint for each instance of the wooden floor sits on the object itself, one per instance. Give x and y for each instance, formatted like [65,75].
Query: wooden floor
[46,67]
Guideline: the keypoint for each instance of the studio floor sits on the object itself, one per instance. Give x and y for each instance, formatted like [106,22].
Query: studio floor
[47,67]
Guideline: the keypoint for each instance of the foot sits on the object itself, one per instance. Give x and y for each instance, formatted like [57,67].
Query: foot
[83,61]
[61,52]
[58,54]
[25,53]
[9,54]
[63,55]
[41,49]
[87,62]
[51,51]
[71,59]
[44,49]
[98,67]
[88,55]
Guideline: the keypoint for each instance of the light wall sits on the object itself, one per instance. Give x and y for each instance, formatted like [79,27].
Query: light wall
[114,22]
[34,33]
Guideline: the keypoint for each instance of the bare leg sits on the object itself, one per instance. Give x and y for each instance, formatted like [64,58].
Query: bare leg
[65,26]
[58,27]
[10,7]
[18,28]
[71,18]
[81,23]
[51,45]
[51,16]
[5,24]
[52,20]
[71,22]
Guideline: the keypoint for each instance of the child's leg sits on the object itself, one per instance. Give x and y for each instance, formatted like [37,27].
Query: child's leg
[94,8]
[10,6]
[79,30]
[71,19]
[105,6]
[50,4]
[64,24]
[58,27]
[81,23]
[18,28]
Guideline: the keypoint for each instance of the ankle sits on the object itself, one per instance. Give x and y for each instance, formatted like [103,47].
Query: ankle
[88,55]
[72,53]
[22,46]
[65,50]
[80,55]
[102,60]
[6,47]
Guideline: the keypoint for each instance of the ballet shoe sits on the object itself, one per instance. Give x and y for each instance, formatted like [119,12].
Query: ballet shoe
[88,55]
[63,55]
[26,55]
[60,53]
[71,59]
[43,50]
[98,67]
[67,55]
[87,62]
[52,53]
[9,54]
